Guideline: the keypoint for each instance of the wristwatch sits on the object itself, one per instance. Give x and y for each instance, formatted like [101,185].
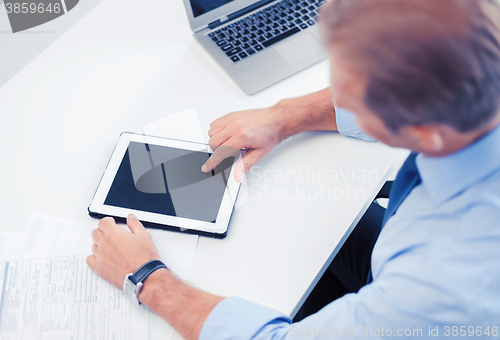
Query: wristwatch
[133,283]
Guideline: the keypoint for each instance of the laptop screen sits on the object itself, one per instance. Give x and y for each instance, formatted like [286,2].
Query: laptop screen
[203,6]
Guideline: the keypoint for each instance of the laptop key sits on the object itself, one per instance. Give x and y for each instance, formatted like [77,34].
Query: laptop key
[303,26]
[252,36]
[258,47]
[268,35]
[221,43]
[211,34]
[230,39]
[311,22]
[215,39]
[284,28]
[235,58]
[276,32]
[280,37]
[243,55]
[253,42]
[245,46]
[237,43]
[250,51]
[233,51]
[244,39]
[261,39]
[226,47]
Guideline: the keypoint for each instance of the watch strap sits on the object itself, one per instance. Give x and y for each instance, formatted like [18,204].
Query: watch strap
[145,270]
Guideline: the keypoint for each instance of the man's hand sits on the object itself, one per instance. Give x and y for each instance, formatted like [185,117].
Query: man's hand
[259,131]
[117,252]
[256,131]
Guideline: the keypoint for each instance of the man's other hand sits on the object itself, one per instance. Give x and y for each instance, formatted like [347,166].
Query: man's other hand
[117,252]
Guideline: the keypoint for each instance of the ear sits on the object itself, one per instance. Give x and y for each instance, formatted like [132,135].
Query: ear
[428,139]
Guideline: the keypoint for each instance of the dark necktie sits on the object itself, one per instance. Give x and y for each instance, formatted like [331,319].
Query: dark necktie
[407,179]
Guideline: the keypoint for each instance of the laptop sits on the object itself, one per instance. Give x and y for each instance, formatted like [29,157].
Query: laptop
[258,42]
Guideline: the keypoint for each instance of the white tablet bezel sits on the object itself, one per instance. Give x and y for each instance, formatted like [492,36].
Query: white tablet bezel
[98,208]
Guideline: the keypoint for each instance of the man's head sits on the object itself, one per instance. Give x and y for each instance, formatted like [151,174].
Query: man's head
[416,73]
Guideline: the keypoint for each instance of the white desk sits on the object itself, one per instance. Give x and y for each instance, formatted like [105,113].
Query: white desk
[127,64]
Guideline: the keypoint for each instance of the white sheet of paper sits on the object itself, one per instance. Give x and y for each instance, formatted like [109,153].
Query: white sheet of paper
[48,239]
[183,125]
[61,298]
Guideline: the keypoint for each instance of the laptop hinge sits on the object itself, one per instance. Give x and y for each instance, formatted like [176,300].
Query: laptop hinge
[237,14]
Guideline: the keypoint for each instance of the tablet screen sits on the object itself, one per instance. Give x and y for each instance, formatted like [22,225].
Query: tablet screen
[169,181]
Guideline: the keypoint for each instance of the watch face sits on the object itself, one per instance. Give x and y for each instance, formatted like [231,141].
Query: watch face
[130,289]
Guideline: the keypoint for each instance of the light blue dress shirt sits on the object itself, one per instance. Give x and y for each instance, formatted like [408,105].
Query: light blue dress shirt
[346,124]
[435,265]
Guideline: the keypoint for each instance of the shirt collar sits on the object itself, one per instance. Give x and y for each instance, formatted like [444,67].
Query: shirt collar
[445,177]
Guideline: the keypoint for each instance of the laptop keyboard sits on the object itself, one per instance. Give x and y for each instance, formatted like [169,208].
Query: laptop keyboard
[262,29]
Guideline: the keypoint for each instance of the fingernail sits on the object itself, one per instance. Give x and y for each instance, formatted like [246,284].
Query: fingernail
[241,175]
[204,168]
[133,216]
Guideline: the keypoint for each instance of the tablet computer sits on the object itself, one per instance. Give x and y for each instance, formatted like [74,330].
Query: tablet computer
[161,182]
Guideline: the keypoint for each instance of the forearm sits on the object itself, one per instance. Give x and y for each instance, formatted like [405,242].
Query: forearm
[314,111]
[184,307]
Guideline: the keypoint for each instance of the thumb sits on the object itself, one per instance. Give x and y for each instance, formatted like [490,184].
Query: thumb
[134,224]
[251,158]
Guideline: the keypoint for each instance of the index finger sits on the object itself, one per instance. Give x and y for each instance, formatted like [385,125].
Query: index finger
[221,153]
[219,120]
[106,223]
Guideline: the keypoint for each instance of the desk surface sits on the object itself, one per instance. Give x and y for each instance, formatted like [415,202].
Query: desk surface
[127,64]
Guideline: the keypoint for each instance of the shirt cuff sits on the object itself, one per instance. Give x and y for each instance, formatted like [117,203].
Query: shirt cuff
[236,318]
[346,125]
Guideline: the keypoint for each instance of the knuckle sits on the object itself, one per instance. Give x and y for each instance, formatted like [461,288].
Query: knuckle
[212,144]
[242,134]
[247,167]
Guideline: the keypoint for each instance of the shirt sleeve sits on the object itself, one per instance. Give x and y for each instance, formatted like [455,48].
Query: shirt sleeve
[236,318]
[347,126]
